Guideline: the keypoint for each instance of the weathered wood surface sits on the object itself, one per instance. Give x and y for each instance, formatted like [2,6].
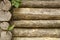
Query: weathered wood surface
[4,25]
[5,15]
[47,4]
[5,5]
[36,23]
[36,32]
[6,35]
[26,38]
[36,13]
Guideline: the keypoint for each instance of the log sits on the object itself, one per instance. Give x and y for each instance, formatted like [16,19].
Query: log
[6,35]
[43,38]
[5,5]
[5,15]
[36,13]
[4,25]
[40,4]
[37,23]
[36,32]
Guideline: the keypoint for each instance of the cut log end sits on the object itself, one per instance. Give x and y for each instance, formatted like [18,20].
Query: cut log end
[4,25]
[5,15]
[6,35]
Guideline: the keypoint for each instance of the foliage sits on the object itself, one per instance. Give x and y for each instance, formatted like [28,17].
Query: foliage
[10,28]
[16,3]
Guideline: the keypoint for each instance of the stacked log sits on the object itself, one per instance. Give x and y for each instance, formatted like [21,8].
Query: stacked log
[36,20]
[29,22]
[5,17]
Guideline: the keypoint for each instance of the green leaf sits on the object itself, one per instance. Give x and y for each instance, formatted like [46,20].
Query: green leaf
[16,3]
[11,27]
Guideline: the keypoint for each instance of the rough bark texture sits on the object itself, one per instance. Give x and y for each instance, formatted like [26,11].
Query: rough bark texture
[5,15]
[36,13]
[4,25]
[37,23]
[6,35]
[45,4]
[36,32]
[46,38]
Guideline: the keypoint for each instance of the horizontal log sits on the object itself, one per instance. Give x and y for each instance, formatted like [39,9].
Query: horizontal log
[46,38]
[36,23]
[36,13]
[36,32]
[47,4]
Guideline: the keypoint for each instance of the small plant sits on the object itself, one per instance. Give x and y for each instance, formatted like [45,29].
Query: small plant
[10,28]
[16,3]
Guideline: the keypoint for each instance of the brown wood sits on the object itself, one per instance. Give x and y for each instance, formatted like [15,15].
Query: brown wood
[36,13]
[37,23]
[36,38]
[36,32]
[47,4]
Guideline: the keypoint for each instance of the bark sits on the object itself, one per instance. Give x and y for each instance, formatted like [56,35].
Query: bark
[37,23]
[47,4]
[36,32]
[38,38]
[36,13]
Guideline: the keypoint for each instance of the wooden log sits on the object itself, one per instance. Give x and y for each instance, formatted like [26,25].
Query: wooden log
[4,25]
[38,38]
[5,5]
[37,23]
[47,4]
[36,13]
[5,15]
[36,32]
[6,35]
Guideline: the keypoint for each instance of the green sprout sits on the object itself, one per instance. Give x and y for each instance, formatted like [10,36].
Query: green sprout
[16,3]
[10,28]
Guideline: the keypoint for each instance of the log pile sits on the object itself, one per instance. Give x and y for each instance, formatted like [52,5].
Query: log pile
[37,20]
[5,16]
